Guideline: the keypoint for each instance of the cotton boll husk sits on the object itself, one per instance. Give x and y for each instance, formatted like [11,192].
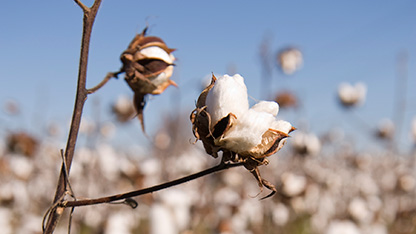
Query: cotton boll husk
[247,131]
[229,95]
[157,53]
[266,106]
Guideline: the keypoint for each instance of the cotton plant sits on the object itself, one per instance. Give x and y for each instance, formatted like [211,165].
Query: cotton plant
[224,121]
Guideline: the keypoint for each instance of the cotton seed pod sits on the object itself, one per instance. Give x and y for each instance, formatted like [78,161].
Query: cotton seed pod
[148,66]
[224,122]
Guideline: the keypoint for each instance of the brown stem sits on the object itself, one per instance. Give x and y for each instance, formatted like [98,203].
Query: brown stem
[87,202]
[81,95]
[104,81]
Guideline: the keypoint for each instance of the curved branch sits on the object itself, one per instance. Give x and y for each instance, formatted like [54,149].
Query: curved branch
[104,81]
[87,202]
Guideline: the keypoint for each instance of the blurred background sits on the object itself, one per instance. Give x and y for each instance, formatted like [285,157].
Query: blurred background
[343,74]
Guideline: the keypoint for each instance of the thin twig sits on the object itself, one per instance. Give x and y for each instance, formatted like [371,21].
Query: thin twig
[83,7]
[104,81]
[87,202]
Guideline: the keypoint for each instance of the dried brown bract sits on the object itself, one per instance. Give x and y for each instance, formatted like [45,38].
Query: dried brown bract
[22,143]
[223,122]
[148,65]
[286,99]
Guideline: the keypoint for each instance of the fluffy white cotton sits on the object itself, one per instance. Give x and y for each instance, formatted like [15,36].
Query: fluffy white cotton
[352,94]
[229,95]
[247,131]
[163,77]
[281,125]
[290,60]
[307,143]
[266,106]
[158,53]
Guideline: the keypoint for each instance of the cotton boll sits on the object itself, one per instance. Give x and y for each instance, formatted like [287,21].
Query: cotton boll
[266,106]
[290,60]
[162,220]
[229,95]
[351,95]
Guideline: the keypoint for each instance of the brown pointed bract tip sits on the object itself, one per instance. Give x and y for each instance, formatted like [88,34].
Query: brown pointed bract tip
[139,103]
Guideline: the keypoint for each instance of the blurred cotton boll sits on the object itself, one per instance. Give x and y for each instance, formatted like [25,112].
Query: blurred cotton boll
[123,109]
[306,143]
[286,99]
[120,222]
[358,209]
[289,60]
[280,214]
[162,220]
[385,129]
[342,227]
[293,185]
[22,143]
[352,95]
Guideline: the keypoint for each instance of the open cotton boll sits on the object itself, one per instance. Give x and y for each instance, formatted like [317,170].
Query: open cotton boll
[157,53]
[266,106]
[229,95]
[247,131]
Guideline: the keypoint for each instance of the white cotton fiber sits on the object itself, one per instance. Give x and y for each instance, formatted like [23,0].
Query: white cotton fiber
[229,95]
[281,125]
[248,130]
[157,52]
[266,106]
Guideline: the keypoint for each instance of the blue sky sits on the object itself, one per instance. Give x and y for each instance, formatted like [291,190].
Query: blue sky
[341,41]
